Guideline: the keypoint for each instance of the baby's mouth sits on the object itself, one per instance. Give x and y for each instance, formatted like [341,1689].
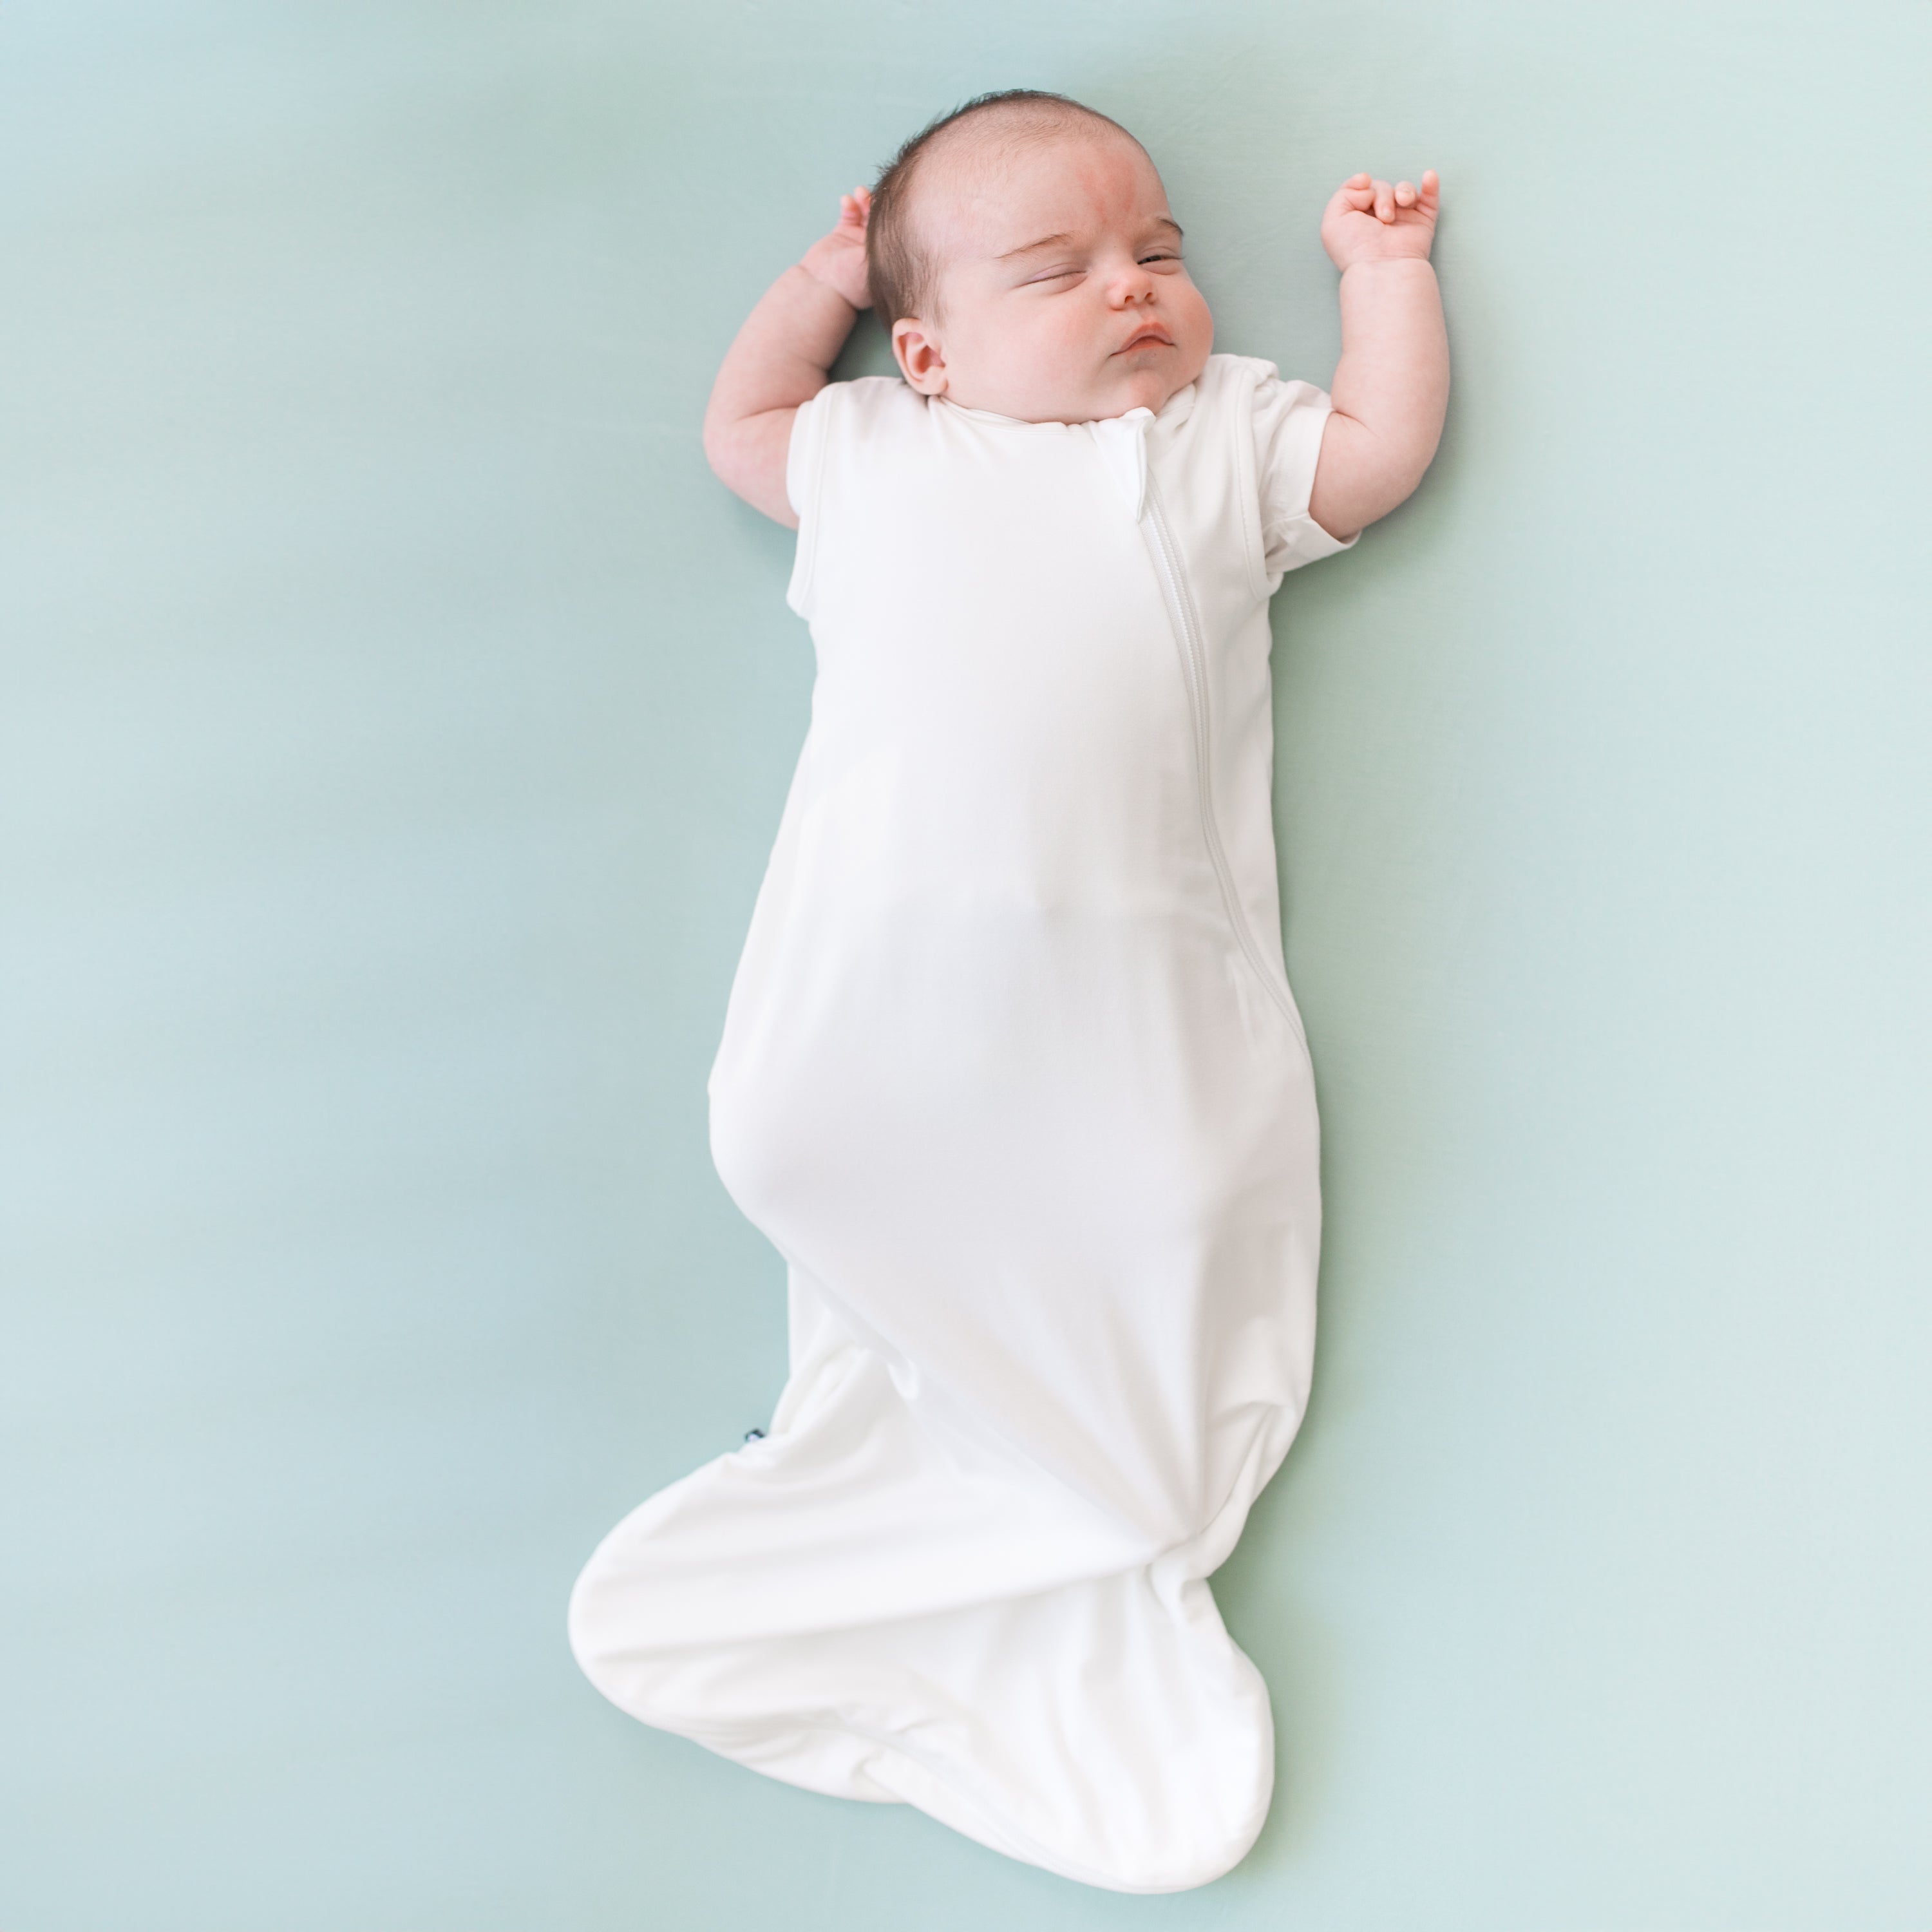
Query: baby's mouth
[1152,332]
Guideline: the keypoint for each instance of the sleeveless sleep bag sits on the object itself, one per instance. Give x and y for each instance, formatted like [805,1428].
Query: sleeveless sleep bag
[1012,1077]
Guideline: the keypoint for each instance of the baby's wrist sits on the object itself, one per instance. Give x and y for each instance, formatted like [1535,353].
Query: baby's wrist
[807,268]
[1388,261]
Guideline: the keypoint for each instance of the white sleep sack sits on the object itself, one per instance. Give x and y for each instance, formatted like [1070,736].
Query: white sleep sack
[1012,1077]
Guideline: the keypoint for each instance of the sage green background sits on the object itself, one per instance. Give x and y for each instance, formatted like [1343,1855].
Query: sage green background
[397,717]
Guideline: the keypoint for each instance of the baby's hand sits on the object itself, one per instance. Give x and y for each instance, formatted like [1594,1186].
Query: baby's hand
[1368,221]
[838,259]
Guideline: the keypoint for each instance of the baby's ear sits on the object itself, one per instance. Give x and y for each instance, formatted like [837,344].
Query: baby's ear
[920,357]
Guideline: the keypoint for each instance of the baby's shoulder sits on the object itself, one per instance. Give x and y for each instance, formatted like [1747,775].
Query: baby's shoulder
[1237,376]
[867,398]
[1222,366]
[865,419]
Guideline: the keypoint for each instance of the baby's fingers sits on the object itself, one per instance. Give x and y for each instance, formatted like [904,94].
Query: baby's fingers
[1405,194]
[1385,202]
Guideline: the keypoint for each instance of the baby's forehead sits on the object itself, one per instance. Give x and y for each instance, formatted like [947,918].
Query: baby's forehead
[972,185]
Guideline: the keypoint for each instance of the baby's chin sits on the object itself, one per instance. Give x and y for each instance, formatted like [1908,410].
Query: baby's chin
[1147,377]
[1140,380]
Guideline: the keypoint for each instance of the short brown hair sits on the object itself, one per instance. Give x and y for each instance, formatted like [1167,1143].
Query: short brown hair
[901,269]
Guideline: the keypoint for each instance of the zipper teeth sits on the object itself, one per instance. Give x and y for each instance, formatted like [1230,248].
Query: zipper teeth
[1196,681]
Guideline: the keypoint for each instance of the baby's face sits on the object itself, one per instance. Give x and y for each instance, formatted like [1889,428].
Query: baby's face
[1062,296]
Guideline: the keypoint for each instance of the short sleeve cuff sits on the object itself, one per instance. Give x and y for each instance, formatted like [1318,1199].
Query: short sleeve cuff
[1289,421]
[804,462]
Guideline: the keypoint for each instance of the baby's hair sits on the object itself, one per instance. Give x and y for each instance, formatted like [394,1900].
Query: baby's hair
[902,272]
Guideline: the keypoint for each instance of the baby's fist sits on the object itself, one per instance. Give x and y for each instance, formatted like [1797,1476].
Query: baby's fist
[1370,220]
[838,260]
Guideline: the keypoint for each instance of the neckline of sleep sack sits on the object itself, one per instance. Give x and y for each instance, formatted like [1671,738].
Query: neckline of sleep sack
[1175,410]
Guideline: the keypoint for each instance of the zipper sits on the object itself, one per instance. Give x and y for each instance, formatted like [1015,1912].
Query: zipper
[1194,661]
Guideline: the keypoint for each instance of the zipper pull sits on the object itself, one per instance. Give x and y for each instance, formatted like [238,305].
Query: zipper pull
[1122,442]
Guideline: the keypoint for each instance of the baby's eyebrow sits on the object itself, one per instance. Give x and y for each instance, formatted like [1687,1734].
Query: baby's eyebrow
[1055,241]
[1029,248]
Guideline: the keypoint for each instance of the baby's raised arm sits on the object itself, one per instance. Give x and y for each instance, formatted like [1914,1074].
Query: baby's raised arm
[1391,386]
[782,356]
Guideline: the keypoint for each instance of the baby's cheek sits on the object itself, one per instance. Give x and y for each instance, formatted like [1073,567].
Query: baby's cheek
[1095,328]
[1053,344]
[1196,318]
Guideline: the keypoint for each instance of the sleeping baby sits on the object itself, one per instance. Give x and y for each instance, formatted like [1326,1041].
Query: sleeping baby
[1011,1073]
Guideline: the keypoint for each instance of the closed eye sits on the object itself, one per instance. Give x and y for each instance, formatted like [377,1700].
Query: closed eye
[1057,275]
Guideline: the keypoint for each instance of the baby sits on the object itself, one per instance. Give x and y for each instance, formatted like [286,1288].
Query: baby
[1011,1074]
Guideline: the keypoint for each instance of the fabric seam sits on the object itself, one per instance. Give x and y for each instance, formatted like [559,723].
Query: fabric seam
[1249,481]
[806,559]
